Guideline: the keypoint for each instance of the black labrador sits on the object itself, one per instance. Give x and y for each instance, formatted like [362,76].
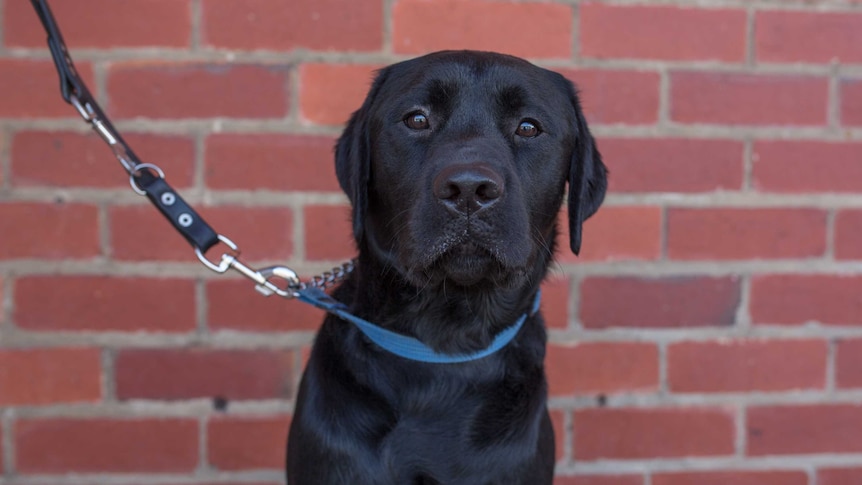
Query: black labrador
[456,167]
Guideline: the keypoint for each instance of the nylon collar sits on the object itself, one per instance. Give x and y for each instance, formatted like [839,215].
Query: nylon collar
[409,347]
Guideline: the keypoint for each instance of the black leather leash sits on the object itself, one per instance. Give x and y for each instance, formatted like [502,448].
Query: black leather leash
[149,180]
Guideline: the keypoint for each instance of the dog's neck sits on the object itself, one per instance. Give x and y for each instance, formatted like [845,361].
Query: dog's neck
[455,321]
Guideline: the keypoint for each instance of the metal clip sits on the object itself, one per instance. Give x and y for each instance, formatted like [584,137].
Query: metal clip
[262,277]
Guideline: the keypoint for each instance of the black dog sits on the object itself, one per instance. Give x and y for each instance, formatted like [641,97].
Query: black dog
[456,166]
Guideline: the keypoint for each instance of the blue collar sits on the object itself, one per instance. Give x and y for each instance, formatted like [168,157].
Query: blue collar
[409,347]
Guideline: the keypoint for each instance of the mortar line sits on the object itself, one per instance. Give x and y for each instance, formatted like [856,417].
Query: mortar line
[664,99]
[8,441]
[387,44]
[575,41]
[831,377]
[196,31]
[831,228]
[109,374]
[740,425]
[5,160]
[833,103]
[748,161]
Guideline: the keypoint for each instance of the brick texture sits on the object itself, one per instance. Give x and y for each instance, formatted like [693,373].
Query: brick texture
[708,332]
[151,90]
[106,445]
[652,433]
[342,25]
[660,302]
[47,376]
[243,443]
[791,430]
[186,374]
[745,233]
[648,32]
[745,99]
[747,366]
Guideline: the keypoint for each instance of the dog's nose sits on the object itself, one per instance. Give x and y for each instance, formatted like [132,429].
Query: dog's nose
[468,188]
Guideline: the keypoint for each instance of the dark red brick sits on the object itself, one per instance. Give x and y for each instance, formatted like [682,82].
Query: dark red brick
[271,162]
[848,234]
[653,433]
[228,310]
[615,233]
[331,92]
[326,25]
[328,233]
[64,159]
[36,87]
[672,164]
[204,373]
[419,26]
[734,477]
[102,445]
[609,97]
[160,90]
[748,99]
[103,303]
[747,365]
[247,443]
[808,36]
[808,166]
[658,32]
[600,367]
[47,376]
[743,233]
[54,231]
[851,102]
[670,302]
[797,299]
[806,429]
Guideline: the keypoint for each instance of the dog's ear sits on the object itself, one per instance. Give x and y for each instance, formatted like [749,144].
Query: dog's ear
[353,157]
[588,180]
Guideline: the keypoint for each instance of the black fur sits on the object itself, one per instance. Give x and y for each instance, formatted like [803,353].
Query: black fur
[450,267]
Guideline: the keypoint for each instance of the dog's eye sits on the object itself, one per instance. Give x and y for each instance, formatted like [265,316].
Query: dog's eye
[527,129]
[417,121]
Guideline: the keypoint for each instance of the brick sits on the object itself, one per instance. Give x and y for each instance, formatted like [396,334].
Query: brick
[748,99]
[65,159]
[848,234]
[795,430]
[653,433]
[242,443]
[36,87]
[329,93]
[680,165]
[797,299]
[558,421]
[615,233]
[747,365]
[555,301]
[47,376]
[851,102]
[154,90]
[600,368]
[420,26]
[848,366]
[669,302]
[811,166]
[107,24]
[60,445]
[805,36]
[54,230]
[599,480]
[742,233]
[141,233]
[839,476]
[228,310]
[325,25]
[734,477]
[103,303]
[328,233]
[204,373]
[654,32]
[271,162]
[624,97]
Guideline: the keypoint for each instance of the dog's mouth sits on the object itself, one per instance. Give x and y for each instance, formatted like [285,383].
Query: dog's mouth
[467,262]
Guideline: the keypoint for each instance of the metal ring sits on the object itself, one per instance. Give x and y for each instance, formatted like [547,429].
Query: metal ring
[226,260]
[138,168]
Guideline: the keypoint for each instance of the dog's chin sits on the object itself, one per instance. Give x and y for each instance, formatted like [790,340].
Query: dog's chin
[466,264]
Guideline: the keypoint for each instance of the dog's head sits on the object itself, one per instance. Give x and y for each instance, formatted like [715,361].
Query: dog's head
[457,162]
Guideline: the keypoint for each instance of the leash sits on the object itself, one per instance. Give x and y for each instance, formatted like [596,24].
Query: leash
[148,180]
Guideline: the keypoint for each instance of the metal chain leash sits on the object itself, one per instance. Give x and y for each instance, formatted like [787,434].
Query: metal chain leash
[148,179]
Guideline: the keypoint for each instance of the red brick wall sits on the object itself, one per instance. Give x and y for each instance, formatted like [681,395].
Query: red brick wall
[711,332]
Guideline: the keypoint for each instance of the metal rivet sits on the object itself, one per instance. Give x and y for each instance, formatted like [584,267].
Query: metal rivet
[185,219]
[168,198]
